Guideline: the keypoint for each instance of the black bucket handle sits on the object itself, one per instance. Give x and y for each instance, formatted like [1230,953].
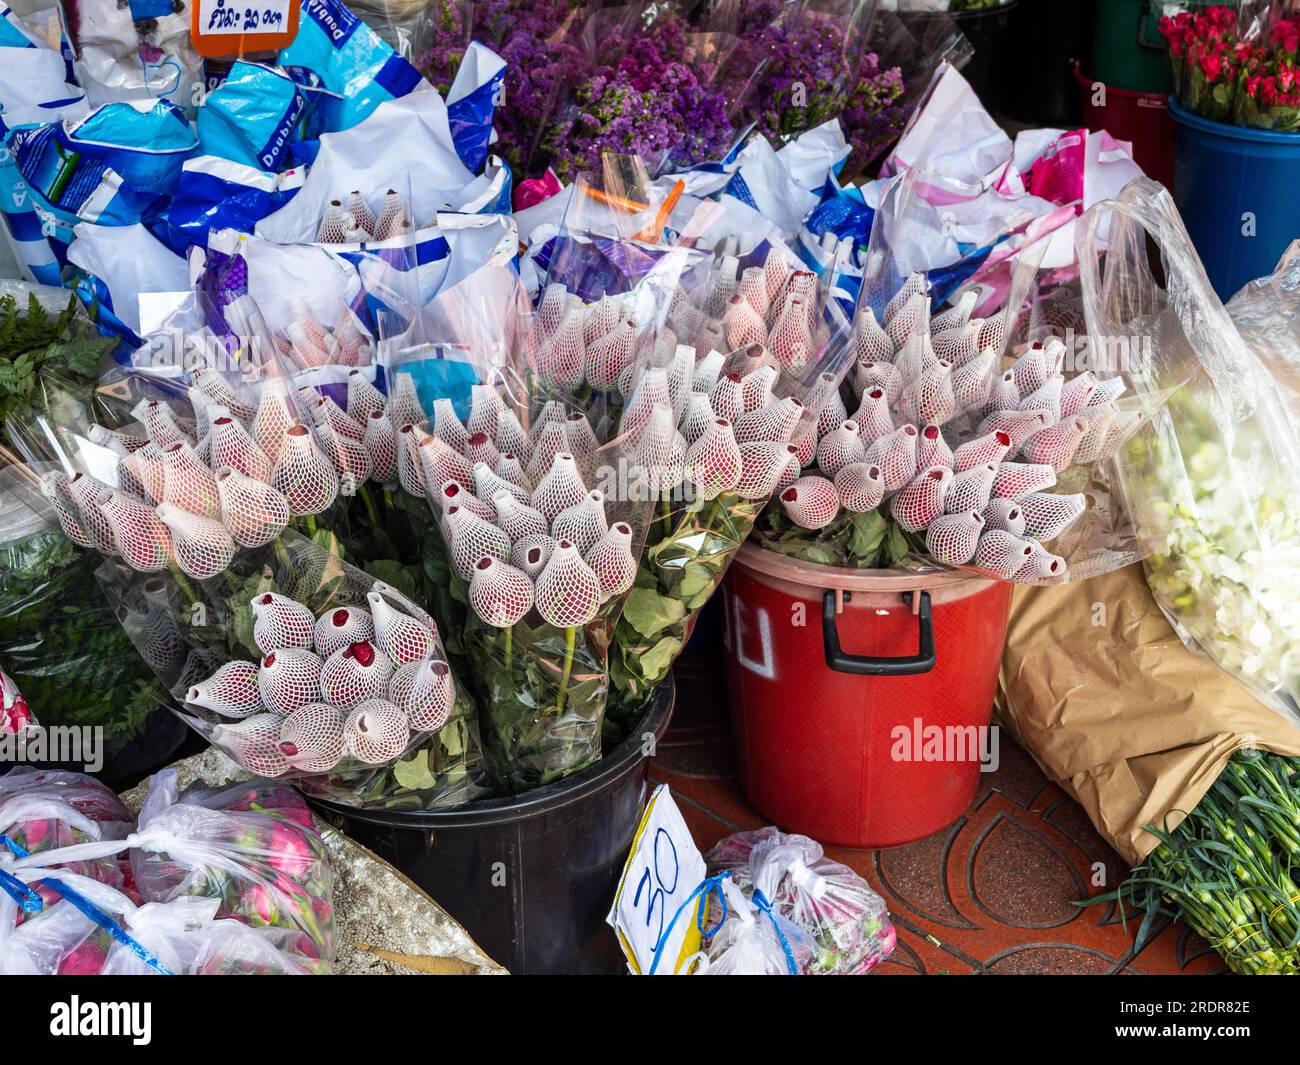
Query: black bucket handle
[862,665]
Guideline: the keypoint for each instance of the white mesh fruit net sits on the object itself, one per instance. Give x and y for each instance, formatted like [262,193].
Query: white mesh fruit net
[510,436]
[1057,445]
[187,483]
[255,744]
[1005,514]
[742,325]
[381,446]
[970,490]
[289,678]
[583,523]
[202,547]
[252,511]
[567,592]
[398,635]
[1020,425]
[951,538]
[472,538]
[139,536]
[376,732]
[550,439]
[532,553]
[304,476]
[279,622]
[872,342]
[440,464]
[811,502]
[921,500]
[425,692]
[895,454]
[1015,479]
[991,447]
[713,463]
[859,487]
[1047,515]
[409,473]
[611,560]
[840,447]
[353,673]
[230,445]
[1002,553]
[337,628]
[561,487]
[764,464]
[272,420]
[518,520]
[404,406]
[231,691]
[87,493]
[753,288]
[364,399]
[1039,565]
[498,593]
[311,738]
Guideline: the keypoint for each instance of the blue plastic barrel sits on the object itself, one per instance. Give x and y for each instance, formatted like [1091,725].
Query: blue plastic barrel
[1231,182]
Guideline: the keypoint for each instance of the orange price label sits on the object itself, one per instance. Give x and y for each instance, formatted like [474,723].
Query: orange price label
[224,29]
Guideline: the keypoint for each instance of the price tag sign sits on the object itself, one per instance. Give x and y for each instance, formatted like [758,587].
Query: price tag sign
[224,29]
[663,871]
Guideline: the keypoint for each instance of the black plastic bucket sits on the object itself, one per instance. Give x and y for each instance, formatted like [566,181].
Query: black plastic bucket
[986,29]
[532,877]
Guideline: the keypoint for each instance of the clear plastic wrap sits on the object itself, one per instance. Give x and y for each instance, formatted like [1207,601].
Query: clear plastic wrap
[230,880]
[749,938]
[1210,476]
[1266,312]
[847,921]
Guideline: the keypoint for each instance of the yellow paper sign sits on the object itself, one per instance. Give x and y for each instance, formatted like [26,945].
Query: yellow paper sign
[654,913]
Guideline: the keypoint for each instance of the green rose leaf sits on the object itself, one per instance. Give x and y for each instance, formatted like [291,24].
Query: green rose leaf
[650,613]
[655,662]
[414,773]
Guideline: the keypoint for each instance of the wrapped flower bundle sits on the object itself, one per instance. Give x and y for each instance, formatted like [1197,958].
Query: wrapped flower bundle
[234,880]
[750,938]
[946,455]
[846,920]
[718,435]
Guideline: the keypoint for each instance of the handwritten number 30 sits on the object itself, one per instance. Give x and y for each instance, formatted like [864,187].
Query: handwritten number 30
[663,851]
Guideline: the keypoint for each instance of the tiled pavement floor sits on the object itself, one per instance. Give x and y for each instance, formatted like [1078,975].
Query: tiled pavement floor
[993,893]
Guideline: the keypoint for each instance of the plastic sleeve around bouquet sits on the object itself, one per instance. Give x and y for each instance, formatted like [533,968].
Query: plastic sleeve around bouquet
[1210,476]
[299,665]
[847,921]
[234,880]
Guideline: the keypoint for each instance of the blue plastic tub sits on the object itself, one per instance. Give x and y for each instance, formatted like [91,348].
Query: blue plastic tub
[1230,181]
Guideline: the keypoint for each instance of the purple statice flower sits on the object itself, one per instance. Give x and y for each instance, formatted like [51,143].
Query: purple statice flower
[875,113]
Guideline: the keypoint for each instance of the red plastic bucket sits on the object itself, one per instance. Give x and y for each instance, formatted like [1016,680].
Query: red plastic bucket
[860,699]
[1141,118]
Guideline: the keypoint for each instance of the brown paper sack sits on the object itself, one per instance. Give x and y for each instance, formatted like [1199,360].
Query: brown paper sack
[1097,686]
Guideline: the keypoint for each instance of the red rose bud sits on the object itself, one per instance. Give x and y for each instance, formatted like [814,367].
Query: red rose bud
[231,691]
[811,502]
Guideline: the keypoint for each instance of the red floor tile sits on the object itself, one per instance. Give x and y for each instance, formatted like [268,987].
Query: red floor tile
[994,893]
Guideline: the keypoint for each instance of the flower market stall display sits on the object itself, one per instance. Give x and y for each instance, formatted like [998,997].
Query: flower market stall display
[829,902]
[680,85]
[231,880]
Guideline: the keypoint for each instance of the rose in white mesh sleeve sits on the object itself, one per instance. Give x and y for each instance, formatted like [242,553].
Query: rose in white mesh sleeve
[499,594]
[1020,425]
[230,445]
[753,288]
[304,476]
[343,625]
[1030,370]
[485,407]
[488,485]
[660,452]
[279,621]
[1004,395]
[610,355]
[1040,565]
[921,500]
[272,420]
[651,391]
[353,673]
[742,325]
[828,404]
[1057,445]
[727,397]
[517,520]
[448,428]
[1077,393]
[777,422]
[611,560]
[909,361]
[213,384]
[583,523]
[916,284]
[713,463]
[960,345]
[991,447]
[364,399]
[376,732]
[859,487]
[873,417]
[327,412]
[971,489]
[425,692]
[187,483]
[560,488]
[930,397]
[699,413]
[231,691]
[872,343]
[776,273]
[972,383]
[791,339]
[707,372]
[550,439]
[381,445]
[404,407]
[1048,515]
[951,538]
[932,449]
[86,494]
[401,637]
[895,454]
[992,333]
[811,502]
[439,463]
[480,449]
[756,386]
[139,536]
[550,309]
[723,287]
[511,470]
[1015,479]
[351,461]
[562,359]
[1093,447]
[161,423]
[841,447]
[202,547]
[1005,514]
[334,224]
[472,537]
[601,317]
[1047,398]
[409,472]
[311,738]
[911,319]
[581,437]
[765,466]
[956,315]
[568,592]
[255,744]
[252,511]
[1001,553]
[532,553]
[289,678]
